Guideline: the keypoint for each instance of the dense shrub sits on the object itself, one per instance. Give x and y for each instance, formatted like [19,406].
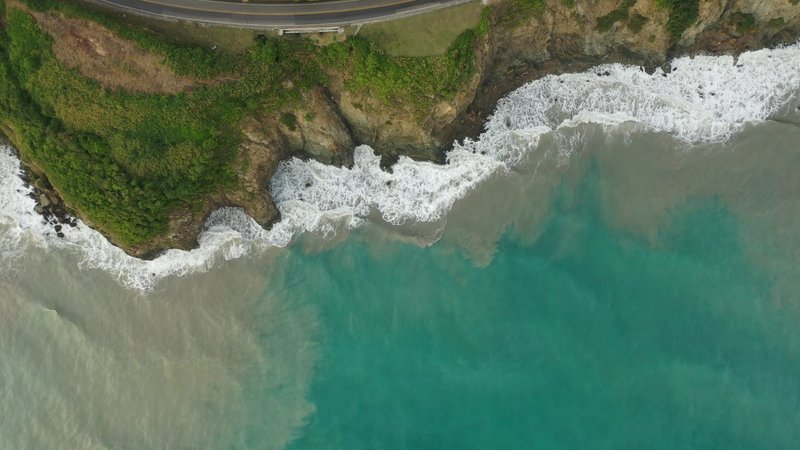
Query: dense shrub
[519,11]
[416,82]
[637,22]
[289,120]
[604,23]
[682,15]
[743,22]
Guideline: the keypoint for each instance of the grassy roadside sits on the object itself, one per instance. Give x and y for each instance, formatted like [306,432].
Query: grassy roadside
[423,34]
[218,38]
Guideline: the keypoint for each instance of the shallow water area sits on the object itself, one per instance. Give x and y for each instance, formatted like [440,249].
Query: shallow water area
[89,364]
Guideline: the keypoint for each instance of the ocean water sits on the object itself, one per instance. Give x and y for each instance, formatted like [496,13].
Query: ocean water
[614,264]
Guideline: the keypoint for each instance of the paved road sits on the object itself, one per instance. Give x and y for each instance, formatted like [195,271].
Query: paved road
[285,15]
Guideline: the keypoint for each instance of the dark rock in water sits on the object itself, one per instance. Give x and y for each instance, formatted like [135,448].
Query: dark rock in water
[308,185]
[57,228]
[39,209]
[61,235]
[73,223]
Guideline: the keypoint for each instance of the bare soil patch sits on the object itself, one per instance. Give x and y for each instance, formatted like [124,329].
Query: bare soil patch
[114,62]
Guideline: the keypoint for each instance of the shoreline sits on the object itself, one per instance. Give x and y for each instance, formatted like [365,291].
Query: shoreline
[508,58]
[715,40]
[320,199]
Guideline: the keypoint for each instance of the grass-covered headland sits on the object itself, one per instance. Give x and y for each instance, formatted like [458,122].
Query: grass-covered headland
[124,160]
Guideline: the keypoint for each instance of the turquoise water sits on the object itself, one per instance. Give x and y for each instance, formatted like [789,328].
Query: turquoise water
[588,338]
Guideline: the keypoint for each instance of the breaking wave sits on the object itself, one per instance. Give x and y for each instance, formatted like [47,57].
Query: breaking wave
[701,100]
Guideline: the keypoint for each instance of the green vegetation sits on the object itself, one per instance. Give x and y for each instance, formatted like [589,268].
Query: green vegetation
[604,23]
[289,120]
[184,59]
[519,11]
[682,15]
[215,38]
[126,160]
[482,28]
[637,22]
[568,3]
[424,34]
[743,22]
[415,82]
[776,22]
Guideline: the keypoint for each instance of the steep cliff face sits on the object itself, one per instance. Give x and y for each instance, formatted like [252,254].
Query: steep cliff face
[565,39]
[394,128]
[521,40]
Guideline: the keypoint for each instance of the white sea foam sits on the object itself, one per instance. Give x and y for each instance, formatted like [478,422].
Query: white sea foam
[705,99]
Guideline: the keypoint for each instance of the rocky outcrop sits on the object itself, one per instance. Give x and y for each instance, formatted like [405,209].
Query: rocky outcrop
[318,130]
[49,203]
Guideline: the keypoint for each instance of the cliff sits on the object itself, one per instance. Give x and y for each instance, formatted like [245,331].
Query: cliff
[159,135]
[570,39]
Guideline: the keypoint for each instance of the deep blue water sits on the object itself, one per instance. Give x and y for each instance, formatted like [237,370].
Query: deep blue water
[587,338]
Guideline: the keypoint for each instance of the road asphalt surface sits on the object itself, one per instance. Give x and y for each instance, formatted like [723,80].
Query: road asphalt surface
[315,15]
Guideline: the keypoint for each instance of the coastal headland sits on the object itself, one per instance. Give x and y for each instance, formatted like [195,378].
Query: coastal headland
[141,127]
